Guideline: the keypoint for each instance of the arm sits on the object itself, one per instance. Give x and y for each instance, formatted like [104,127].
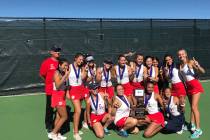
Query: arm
[59,81]
[113,72]
[160,101]
[43,71]
[145,73]
[84,73]
[98,75]
[116,104]
[133,66]
[194,63]
[130,73]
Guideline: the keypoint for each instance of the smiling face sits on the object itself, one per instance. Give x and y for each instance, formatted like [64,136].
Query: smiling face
[107,66]
[91,64]
[94,91]
[120,90]
[150,88]
[155,63]
[54,54]
[149,62]
[122,61]
[139,59]
[63,66]
[79,60]
[167,92]
[169,60]
[182,55]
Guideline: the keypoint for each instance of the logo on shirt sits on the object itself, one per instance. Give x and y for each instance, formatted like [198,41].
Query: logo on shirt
[52,67]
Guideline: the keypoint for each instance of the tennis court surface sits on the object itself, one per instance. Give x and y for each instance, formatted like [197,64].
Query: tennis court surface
[22,118]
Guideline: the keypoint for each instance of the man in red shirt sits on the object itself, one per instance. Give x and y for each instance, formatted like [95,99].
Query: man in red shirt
[47,69]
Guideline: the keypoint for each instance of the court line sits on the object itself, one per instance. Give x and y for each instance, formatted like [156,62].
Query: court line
[21,95]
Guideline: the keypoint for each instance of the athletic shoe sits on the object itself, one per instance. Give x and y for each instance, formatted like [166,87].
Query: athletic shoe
[184,127]
[122,133]
[179,132]
[77,137]
[106,131]
[85,125]
[193,128]
[61,137]
[196,134]
[80,132]
[53,136]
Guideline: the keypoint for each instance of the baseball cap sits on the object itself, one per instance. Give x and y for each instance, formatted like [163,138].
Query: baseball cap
[93,86]
[108,61]
[89,58]
[55,49]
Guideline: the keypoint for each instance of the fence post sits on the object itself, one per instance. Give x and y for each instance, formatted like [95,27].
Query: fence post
[45,33]
[194,38]
[151,33]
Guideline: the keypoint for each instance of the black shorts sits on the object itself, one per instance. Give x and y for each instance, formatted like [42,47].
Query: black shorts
[175,123]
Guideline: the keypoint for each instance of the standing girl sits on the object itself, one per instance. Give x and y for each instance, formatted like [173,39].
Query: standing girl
[194,89]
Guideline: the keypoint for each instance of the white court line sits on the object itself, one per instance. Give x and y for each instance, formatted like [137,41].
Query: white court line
[21,95]
[41,93]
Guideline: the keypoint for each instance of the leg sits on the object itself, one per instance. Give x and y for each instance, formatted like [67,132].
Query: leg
[130,123]
[62,114]
[77,112]
[195,110]
[107,120]
[146,121]
[98,129]
[110,101]
[85,112]
[49,114]
[57,118]
[192,119]
[152,129]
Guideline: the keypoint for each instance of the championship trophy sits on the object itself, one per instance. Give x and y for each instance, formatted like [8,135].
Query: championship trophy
[138,111]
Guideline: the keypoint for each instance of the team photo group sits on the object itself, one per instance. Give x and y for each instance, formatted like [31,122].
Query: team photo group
[138,93]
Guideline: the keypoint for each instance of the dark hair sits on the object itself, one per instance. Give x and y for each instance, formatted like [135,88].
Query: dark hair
[147,57]
[155,58]
[164,59]
[117,86]
[139,54]
[166,88]
[149,82]
[78,55]
[62,60]
[121,55]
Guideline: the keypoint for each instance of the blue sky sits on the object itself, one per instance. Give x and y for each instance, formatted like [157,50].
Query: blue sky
[106,8]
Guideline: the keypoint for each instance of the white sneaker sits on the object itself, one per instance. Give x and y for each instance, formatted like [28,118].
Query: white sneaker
[80,132]
[61,137]
[184,127]
[53,136]
[85,125]
[77,137]
[179,132]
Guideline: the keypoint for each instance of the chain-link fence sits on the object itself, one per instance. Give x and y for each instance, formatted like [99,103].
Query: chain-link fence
[24,43]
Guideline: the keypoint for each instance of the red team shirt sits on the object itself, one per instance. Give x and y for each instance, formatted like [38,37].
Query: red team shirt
[47,70]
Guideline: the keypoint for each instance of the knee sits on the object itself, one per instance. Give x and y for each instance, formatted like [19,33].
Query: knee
[100,135]
[194,108]
[65,117]
[77,111]
[147,134]
[134,122]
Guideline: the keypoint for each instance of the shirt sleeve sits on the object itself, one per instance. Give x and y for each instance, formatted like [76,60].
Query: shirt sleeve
[43,69]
